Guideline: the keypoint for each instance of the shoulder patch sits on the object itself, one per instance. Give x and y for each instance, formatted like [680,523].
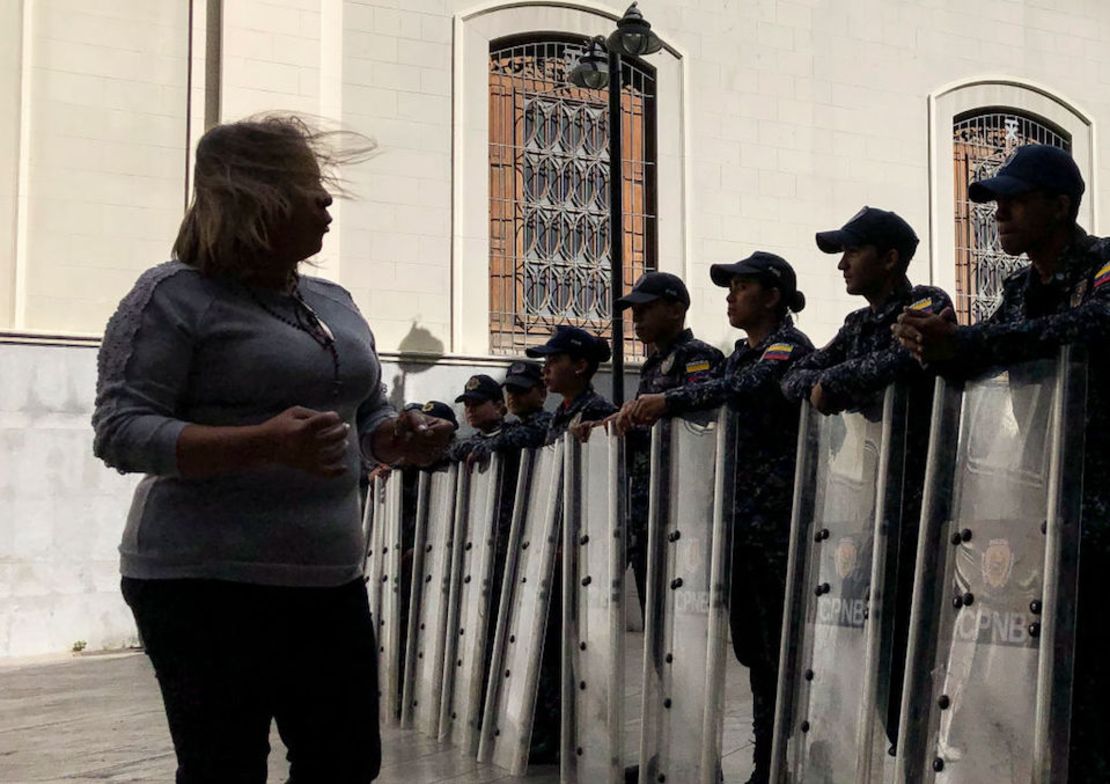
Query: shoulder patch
[700,366]
[925,304]
[1103,275]
[779,351]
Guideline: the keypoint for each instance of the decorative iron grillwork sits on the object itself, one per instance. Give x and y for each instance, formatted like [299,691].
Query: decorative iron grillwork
[983,140]
[549,193]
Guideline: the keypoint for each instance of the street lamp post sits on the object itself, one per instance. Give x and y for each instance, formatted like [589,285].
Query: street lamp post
[598,68]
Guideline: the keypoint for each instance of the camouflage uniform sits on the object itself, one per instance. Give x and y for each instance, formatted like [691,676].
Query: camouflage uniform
[589,406]
[686,361]
[460,450]
[1032,321]
[854,369]
[525,433]
[766,445]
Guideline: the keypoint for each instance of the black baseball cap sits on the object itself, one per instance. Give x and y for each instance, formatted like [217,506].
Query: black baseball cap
[523,375]
[1034,167]
[574,341]
[655,285]
[871,226]
[435,408]
[767,266]
[479,389]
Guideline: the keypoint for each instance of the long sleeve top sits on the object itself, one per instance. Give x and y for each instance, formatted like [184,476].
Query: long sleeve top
[767,430]
[1032,321]
[185,349]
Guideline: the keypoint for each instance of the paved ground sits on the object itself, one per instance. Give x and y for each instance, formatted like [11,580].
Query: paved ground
[99,718]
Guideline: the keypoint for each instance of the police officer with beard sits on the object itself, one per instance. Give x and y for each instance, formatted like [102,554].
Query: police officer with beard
[1061,297]
[762,294]
[659,302]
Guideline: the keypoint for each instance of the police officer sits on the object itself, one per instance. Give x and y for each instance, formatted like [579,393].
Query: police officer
[860,362]
[571,358]
[1061,297]
[525,393]
[485,412]
[659,302]
[762,294]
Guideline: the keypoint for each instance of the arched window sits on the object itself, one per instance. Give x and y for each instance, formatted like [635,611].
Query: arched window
[549,191]
[982,140]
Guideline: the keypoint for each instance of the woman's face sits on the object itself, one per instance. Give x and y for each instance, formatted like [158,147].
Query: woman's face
[300,234]
[749,301]
[562,374]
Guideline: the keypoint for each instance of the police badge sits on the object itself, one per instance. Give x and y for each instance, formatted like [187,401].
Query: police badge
[428,407]
[668,364]
[997,562]
[846,555]
[473,383]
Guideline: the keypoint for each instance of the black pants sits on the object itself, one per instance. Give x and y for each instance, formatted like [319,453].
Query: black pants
[230,657]
[755,615]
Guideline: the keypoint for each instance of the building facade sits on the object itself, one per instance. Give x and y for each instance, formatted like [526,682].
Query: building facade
[483,219]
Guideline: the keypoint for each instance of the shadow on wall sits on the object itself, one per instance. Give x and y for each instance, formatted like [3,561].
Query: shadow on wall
[419,341]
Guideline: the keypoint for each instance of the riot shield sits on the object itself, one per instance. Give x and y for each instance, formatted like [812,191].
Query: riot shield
[839,616]
[988,678]
[522,616]
[429,600]
[390,629]
[593,613]
[464,668]
[688,580]
[375,526]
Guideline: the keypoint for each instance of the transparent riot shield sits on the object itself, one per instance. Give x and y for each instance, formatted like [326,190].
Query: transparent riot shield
[988,678]
[839,616]
[375,525]
[522,616]
[390,630]
[430,595]
[688,581]
[593,613]
[469,605]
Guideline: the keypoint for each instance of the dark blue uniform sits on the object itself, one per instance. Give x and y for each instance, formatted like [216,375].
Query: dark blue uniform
[767,439]
[589,406]
[1032,321]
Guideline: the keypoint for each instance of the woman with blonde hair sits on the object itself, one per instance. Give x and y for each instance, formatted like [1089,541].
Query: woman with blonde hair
[247,393]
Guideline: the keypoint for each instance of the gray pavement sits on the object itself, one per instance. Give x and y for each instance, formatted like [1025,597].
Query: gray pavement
[98,718]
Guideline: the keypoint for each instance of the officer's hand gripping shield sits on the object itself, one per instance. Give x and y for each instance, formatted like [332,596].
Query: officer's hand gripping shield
[469,608]
[838,622]
[431,587]
[688,582]
[988,679]
[510,702]
[593,611]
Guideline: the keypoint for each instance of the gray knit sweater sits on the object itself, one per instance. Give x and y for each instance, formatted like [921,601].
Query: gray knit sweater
[182,348]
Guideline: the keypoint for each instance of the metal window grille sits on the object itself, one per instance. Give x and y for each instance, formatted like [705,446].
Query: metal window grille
[983,140]
[549,192]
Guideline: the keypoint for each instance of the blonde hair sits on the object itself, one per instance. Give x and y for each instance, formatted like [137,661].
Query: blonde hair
[248,175]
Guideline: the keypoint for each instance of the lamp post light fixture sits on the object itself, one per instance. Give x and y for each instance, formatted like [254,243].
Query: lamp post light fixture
[600,67]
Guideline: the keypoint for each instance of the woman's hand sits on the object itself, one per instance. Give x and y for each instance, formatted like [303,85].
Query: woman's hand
[312,441]
[411,438]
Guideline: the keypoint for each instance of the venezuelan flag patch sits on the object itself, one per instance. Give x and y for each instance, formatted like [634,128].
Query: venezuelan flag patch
[779,351]
[1103,275]
[925,305]
[697,367]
